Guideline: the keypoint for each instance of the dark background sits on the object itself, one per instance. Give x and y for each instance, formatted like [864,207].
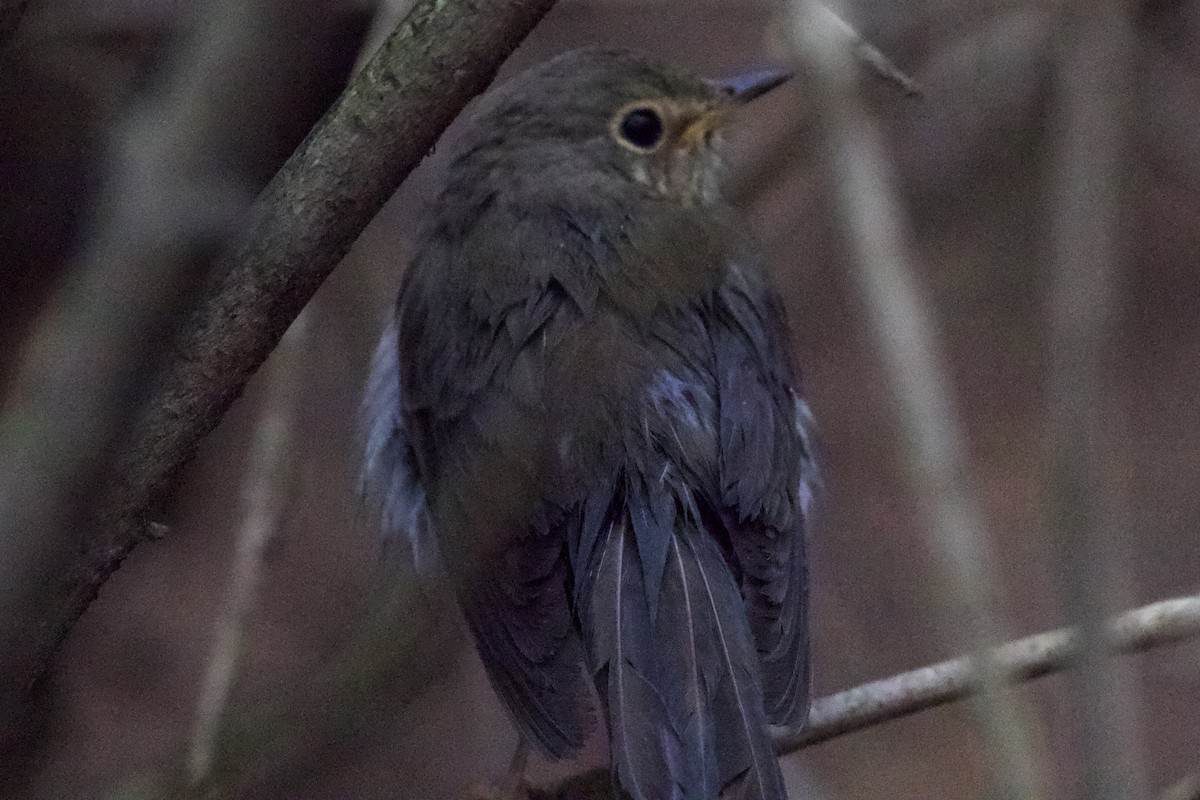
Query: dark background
[972,160]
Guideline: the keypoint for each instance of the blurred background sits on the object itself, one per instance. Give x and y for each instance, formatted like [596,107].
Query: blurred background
[414,717]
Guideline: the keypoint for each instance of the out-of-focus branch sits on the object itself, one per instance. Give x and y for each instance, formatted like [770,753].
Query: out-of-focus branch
[444,53]
[167,204]
[1155,625]
[404,643]
[791,147]
[904,332]
[263,493]
[842,32]
[1094,75]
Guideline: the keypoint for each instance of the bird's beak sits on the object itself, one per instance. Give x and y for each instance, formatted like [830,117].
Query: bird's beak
[749,85]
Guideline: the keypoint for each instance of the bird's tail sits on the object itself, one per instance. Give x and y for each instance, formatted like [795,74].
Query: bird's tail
[675,665]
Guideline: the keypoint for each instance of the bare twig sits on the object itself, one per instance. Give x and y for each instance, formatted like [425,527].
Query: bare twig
[1094,73]
[264,490]
[867,54]
[444,53]
[1155,625]
[904,332]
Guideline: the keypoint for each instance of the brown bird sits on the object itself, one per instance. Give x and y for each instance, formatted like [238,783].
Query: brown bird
[585,402]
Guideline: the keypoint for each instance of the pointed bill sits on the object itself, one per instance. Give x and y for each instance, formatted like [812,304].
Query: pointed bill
[749,85]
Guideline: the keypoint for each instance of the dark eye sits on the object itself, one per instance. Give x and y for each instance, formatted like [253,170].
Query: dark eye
[642,128]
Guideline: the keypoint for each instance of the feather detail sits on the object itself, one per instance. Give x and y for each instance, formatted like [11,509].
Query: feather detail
[390,477]
[768,481]
[681,689]
[645,747]
[745,756]
[522,626]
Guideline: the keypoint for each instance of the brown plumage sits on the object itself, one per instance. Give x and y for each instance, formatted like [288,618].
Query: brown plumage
[586,401]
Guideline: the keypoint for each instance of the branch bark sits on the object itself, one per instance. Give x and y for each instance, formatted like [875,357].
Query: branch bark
[444,53]
[1155,625]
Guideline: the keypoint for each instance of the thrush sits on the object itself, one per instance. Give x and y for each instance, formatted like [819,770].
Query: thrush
[585,402]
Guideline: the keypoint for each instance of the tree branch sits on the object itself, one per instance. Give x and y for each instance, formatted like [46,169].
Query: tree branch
[1155,625]
[444,53]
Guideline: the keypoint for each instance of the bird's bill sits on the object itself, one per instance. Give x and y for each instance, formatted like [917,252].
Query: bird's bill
[749,85]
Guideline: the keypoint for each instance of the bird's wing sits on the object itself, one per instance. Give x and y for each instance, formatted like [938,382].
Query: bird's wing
[768,479]
[469,403]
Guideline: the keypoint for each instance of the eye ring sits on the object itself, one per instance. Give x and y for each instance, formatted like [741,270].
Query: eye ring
[639,127]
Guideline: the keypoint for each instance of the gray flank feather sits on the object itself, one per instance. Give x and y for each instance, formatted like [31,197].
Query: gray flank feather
[390,480]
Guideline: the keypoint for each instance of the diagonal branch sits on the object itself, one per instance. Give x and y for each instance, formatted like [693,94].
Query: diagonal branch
[444,53]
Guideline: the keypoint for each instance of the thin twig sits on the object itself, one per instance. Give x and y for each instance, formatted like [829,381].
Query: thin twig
[264,490]
[867,54]
[1088,205]
[936,455]
[1156,625]
[517,780]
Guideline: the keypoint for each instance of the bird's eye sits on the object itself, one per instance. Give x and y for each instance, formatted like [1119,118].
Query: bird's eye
[642,128]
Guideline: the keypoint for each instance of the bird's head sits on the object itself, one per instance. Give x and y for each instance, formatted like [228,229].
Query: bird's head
[596,115]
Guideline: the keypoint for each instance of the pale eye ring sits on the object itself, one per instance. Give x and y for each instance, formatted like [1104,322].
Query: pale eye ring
[641,127]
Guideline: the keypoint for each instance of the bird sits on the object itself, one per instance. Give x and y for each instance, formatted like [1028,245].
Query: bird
[585,407]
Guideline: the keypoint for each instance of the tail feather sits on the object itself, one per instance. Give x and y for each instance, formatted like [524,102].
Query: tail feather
[681,688]
[645,747]
[745,756]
